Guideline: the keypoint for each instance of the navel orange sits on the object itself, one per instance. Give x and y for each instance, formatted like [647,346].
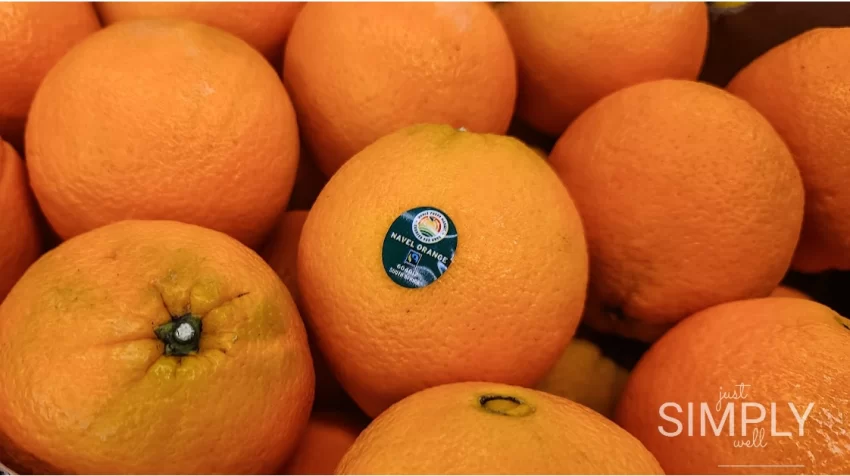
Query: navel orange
[486,428]
[688,196]
[570,55]
[755,386]
[163,119]
[34,37]
[20,241]
[151,347]
[328,437]
[264,25]
[281,253]
[436,256]
[801,86]
[359,71]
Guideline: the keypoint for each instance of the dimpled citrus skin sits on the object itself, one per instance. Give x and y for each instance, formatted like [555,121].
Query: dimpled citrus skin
[784,350]
[163,119]
[328,437]
[570,55]
[359,71]
[87,388]
[801,86]
[33,37]
[509,301]
[445,430]
[264,25]
[688,196]
[20,243]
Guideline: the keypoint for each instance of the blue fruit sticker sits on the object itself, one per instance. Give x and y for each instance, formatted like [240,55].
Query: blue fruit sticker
[419,247]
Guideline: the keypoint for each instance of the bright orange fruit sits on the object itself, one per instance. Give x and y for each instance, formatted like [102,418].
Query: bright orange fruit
[801,87]
[264,25]
[163,119]
[437,256]
[572,54]
[760,359]
[151,347]
[688,196]
[486,428]
[359,71]
[33,37]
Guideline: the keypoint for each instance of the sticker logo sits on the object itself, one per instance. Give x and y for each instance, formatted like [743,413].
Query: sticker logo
[419,247]
[430,226]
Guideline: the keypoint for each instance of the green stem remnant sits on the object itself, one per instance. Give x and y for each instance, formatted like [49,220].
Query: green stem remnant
[505,405]
[181,335]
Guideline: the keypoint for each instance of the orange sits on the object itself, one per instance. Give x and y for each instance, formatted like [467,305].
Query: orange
[609,321]
[163,119]
[359,71]
[20,241]
[34,37]
[328,437]
[570,55]
[740,32]
[151,347]
[801,87]
[309,181]
[585,375]
[280,253]
[437,256]
[688,196]
[481,428]
[785,291]
[264,25]
[776,355]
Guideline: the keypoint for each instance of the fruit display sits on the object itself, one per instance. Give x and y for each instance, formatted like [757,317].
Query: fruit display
[424,238]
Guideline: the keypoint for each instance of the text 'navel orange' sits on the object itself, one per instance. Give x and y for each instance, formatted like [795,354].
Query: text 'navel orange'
[437,256]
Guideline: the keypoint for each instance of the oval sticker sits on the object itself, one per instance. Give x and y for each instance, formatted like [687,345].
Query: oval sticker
[419,247]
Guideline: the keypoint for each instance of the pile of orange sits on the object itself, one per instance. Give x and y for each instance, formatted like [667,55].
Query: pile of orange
[408,238]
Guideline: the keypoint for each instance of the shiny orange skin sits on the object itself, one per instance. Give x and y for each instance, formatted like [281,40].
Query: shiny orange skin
[447,430]
[487,312]
[359,71]
[572,54]
[784,350]
[163,119]
[264,25]
[34,37]
[87,388]
[800,86]
[688,196]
